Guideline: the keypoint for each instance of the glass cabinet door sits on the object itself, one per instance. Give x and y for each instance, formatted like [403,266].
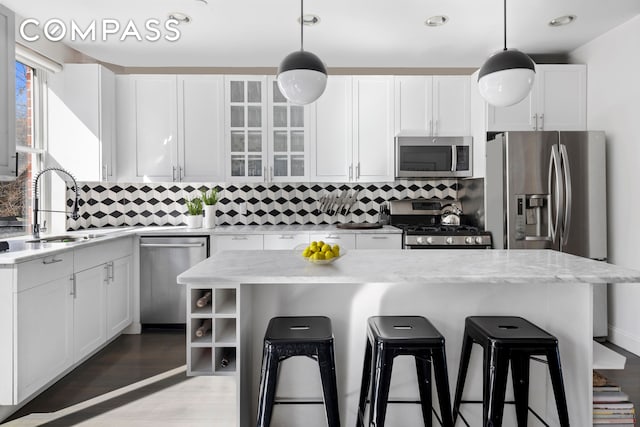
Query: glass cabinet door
[287,127]
[245,127]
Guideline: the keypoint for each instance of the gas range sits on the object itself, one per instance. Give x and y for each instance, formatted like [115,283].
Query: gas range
[420,220]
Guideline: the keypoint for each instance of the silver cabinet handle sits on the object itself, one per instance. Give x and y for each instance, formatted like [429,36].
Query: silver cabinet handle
[270,173]
[73,286]
[358,170]
[171,245]
[542,121]
[53,261]
[110,271]
[435,132]
[180,173]
[264,174]
[534,126]
[106,273]
[105,172]
[431,127]
[333,237]
[350,171]
[286,237]
[173,173]
[239,238]
[379,237]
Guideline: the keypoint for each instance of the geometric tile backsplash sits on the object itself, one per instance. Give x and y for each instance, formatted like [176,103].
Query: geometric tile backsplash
[116,204]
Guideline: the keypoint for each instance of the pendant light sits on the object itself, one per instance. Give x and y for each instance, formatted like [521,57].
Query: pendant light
[506,77]
[302,77]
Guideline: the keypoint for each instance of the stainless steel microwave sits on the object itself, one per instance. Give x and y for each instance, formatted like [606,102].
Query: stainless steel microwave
[427,157]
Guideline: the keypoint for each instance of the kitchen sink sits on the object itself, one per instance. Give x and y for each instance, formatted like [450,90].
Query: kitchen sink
[64,239]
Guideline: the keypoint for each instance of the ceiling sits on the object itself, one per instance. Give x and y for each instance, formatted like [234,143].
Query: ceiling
[352,33]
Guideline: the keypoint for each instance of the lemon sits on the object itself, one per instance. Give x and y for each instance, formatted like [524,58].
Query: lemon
[318,256]
[320,244]
[328,255]
[313,248]
[314,243]
[326,248]
[336,250]
[334,254]
[307,253]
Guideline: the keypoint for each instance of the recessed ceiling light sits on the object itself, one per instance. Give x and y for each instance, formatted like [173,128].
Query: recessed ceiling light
[562,20]
[180,17]
[436,21]
[310,20]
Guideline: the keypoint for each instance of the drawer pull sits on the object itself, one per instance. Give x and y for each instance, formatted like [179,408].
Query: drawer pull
[330,237]
[53,261]
[286,237]
[379,237]
[239,238]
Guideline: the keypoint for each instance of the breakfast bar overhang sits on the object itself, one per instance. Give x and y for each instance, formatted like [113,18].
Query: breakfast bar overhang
[549,288]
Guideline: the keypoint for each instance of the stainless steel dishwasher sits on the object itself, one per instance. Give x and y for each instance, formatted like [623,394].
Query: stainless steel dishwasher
[162,259]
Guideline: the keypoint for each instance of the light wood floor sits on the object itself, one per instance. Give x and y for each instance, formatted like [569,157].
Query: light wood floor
[138,380]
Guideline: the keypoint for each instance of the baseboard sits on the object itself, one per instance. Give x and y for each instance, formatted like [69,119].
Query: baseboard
[624,339]
[133,329]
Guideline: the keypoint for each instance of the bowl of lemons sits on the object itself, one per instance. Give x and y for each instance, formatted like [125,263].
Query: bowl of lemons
[321,252]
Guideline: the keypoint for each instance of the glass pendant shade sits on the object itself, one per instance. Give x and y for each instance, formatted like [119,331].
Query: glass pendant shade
[302,77]
[506,78]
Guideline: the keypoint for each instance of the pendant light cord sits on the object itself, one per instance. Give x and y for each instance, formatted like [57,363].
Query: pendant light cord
[505,24]
[302,25]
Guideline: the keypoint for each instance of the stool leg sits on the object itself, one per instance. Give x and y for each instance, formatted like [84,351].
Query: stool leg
[555,370]
[465,355]
[268,380]
[520,377]
[364,387]
[380,387]
[495,380]
[423,370]
[326,361]
[439,359]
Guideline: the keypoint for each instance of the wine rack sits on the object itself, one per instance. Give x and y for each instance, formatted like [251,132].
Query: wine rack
[212,330]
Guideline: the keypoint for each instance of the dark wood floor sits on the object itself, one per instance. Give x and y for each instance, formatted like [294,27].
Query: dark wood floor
[132,358]
[629,378]
[128,359]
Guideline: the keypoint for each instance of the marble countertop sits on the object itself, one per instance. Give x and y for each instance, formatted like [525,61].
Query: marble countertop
[21,251]
[393,266]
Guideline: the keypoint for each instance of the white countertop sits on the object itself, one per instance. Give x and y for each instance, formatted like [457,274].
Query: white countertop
[21,251]
[393,266]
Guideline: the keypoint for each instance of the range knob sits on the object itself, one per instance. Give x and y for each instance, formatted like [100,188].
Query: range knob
[479,240]
[449,240]
[420,240]
[429,240]
[469,240]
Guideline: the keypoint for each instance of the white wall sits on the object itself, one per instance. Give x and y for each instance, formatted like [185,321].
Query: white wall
[613,105]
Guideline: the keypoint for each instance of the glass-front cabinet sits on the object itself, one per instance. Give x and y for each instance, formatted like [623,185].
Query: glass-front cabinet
[266,136]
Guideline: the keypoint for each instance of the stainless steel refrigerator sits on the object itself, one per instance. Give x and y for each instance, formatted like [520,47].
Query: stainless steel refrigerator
[547,190]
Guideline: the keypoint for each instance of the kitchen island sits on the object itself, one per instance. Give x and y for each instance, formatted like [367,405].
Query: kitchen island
[549,288]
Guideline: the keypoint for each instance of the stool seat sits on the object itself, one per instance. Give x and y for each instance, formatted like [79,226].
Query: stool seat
[286,337]
[391,336]
[296,329]
[509,340]
[413,330]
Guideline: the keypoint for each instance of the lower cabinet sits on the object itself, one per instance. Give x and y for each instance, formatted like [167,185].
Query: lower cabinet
[285,241]
[89,330]
[44,337]
[378,241]
[237,242]
[119,303]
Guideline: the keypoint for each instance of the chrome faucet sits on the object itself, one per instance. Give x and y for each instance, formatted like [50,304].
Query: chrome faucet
[74,213]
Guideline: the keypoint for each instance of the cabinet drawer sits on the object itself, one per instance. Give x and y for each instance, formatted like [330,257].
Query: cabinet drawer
[285,241]
[87,257]
[379,241]
[42,270]
[345,240]
[238,242]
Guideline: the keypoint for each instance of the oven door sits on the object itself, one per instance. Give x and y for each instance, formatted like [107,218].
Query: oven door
[422,157]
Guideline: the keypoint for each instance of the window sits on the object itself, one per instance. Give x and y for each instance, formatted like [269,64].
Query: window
[15,196]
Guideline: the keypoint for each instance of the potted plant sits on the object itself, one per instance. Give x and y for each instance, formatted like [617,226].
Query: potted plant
[210,199]
[193,218]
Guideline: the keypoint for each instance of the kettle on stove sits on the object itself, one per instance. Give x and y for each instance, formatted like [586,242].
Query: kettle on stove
[450,214]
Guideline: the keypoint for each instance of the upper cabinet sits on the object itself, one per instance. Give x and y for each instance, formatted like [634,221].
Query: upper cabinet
[432,105]
[557,101]
[352,136]
[266,137]
[170,128]
[81,131]
[7,93]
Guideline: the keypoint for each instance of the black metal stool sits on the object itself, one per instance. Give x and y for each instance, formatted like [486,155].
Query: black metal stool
[286,337]
[509,339]
[391,336]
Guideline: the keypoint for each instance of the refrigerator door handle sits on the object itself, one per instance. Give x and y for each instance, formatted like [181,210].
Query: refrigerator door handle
[564,156]
[555,195]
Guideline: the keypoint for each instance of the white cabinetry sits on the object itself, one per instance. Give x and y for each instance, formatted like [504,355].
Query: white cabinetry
[378,241]
[353,131]
[285,241]
[266,137]
[81,110]
[7,93]
[119,310]
[240,242]
[170,128]
[89,330]
[557,102]
[432,105]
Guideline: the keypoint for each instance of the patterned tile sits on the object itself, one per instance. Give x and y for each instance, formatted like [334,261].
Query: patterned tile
[106,204]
